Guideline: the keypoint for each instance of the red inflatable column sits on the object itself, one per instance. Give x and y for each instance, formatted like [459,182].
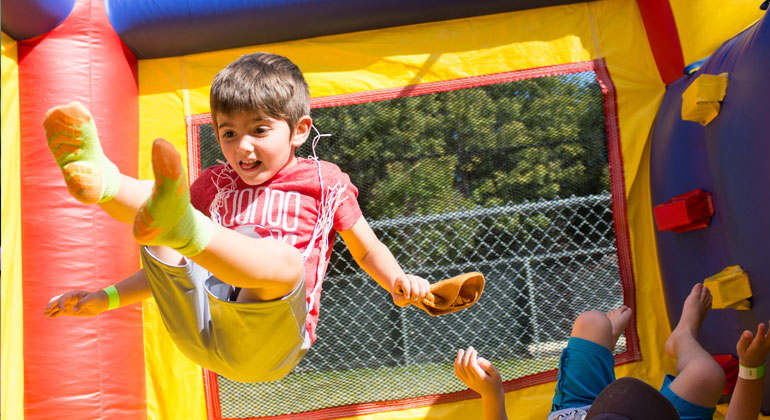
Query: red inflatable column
[663,37]
[78,368]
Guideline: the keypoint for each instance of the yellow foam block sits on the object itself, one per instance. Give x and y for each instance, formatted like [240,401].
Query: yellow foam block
[701,100]
[730,288]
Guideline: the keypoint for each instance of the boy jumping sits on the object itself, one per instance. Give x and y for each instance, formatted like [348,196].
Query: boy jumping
[236,261]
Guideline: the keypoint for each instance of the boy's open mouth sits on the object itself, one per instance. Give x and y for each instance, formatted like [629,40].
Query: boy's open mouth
[250,164]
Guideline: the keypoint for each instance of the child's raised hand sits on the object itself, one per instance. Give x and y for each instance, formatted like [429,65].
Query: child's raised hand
[408,289]
[478,373]
[77,303]
[752,349]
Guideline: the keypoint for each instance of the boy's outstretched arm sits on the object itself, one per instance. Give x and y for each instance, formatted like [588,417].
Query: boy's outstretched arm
[480,376]
[132,289]
[376,259]
[747,396]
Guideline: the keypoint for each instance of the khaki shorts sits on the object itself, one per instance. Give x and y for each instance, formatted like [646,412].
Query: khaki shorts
[243,341]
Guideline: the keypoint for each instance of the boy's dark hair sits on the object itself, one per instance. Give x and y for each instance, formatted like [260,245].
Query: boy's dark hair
[263,82]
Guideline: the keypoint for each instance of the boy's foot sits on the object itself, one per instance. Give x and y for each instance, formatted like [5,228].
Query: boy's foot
[619,318]
[73,141]
[167,218]
[696,306]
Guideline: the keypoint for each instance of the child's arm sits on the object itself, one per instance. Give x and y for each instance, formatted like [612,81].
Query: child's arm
[132,289]
[747,396]
[376,259]
[482,377]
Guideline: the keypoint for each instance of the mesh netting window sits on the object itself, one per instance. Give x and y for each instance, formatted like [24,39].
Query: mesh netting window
[509,176]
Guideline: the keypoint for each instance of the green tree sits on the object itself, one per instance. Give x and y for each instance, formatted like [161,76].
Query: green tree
[465,149]
[505,143]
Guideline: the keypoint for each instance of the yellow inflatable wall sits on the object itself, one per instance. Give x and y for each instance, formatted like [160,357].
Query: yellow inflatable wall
[13,359]
[173,89]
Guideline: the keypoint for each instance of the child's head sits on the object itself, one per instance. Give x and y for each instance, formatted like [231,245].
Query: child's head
[260,106]
[262,83]
[631,399]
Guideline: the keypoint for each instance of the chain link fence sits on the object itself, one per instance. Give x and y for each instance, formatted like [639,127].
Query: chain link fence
[510,180]
[370,350]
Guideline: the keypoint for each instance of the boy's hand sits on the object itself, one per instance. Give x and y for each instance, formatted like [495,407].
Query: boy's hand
[478,373]
[752,350]
[77,303]
[408,289]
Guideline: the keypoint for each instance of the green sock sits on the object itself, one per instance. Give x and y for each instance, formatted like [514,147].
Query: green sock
[167,218]
[72,139]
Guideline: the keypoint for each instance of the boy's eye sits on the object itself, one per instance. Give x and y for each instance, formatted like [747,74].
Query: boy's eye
[228,134]
[261,129]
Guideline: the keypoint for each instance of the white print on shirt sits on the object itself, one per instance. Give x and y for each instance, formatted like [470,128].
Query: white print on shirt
[578,413]
[274,213]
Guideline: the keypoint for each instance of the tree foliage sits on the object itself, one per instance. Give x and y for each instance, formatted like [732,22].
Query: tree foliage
[505,143]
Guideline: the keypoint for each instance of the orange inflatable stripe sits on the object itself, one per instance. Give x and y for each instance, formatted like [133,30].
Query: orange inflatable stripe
[77,368]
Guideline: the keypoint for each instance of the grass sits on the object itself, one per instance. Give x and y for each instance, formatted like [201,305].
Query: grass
[309,391]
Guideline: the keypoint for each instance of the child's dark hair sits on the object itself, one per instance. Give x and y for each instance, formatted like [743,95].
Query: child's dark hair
[263,82]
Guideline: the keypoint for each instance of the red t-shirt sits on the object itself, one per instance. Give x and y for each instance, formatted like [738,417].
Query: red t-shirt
[287,208]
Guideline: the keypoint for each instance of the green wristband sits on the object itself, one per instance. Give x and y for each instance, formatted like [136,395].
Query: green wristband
[114,298]
[751,373]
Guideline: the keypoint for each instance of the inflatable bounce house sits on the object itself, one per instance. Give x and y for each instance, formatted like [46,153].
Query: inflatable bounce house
[580,154]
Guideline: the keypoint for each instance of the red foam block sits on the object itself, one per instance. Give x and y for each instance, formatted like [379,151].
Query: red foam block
[689,211]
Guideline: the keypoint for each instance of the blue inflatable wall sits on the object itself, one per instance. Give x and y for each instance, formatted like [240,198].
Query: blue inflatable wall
[730,158]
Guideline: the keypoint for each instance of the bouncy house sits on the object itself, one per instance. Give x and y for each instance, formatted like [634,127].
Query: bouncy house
[580,154]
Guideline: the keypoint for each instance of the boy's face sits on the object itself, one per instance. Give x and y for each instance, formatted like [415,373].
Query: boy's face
[258,146]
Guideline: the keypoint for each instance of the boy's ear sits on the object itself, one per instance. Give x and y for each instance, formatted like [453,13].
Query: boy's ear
[302,131]
[215,126]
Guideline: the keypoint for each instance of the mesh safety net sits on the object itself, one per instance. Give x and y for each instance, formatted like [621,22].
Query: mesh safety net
[509,178]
